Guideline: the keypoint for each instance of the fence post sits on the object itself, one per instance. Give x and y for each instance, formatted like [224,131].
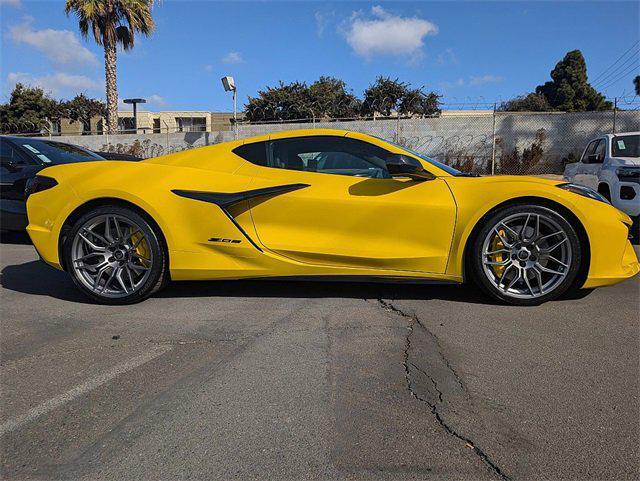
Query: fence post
[615,111]
[493,143]
[397,139]
[167,126]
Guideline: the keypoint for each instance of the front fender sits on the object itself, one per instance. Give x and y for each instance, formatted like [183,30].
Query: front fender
[604,225]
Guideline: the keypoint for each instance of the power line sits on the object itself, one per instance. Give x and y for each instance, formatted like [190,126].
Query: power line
[623,66]
[620,77]
[614,63]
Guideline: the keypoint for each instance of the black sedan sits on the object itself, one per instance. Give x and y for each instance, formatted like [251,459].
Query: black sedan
[21,160]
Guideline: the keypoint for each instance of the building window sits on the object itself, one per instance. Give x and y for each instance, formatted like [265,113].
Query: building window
[156,126]
[86,127]
[56,127]
[126,125]
[191,124]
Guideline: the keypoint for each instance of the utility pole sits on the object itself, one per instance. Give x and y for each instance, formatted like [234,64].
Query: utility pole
[135,103]
[493,142]
[230,86]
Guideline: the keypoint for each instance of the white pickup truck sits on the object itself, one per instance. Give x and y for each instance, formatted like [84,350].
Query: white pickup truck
[611,165]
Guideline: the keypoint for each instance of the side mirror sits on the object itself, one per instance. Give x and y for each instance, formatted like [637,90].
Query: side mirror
[400,165]
[594,159]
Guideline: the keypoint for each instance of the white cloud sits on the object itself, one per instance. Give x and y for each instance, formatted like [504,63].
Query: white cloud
[485,79]
[387,34]
[12,3]
[57,84]
[233,57]
[449,85]
[472,81]
[447,56]
[322,20]
[153,100]
[208,68]
[156,100]
[60,46]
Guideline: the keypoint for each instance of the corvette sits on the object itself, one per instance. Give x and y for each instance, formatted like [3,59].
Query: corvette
[321,204]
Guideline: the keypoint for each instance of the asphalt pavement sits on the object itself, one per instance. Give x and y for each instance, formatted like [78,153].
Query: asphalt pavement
[302,380]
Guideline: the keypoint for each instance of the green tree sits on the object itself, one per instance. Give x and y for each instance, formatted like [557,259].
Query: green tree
[112,23]
[284,102]
[636,83]
[29,110]
[384,96]
[387,95]
[527,103]
[329,98]
[418,102]
[568,90]
[83,109]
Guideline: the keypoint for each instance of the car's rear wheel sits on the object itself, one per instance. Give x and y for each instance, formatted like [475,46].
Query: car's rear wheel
[526,255]
[116,256]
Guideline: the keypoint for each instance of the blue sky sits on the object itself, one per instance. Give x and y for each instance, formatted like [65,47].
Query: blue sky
[470,52]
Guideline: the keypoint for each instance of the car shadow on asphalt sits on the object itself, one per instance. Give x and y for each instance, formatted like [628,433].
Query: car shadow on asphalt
[37,278]
[13,237]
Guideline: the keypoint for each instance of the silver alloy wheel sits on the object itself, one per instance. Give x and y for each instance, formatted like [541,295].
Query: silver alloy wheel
[526,255]
[111,256]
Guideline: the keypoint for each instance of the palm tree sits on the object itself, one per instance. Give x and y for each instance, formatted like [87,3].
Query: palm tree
[113,23]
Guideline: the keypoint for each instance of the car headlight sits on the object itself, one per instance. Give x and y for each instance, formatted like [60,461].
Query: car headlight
[628,174]
[584,191]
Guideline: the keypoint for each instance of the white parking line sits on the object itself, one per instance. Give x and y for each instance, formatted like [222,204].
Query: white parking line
[76,392]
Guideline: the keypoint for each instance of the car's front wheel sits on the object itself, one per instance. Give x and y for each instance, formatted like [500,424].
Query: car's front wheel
[526,255]
[115,255]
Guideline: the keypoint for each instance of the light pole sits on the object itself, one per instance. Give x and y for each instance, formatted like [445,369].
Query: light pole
[230,86]
[135,103]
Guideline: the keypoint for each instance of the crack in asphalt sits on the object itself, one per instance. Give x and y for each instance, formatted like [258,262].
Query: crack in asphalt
[413,321]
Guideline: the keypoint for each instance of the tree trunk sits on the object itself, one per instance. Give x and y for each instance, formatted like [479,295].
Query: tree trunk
[112,88]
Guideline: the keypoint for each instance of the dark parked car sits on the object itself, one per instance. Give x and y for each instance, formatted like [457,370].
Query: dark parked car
[22,159]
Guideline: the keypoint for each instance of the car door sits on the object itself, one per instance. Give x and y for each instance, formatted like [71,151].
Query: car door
[594,166]
[16,168]
[591,163]
[346,210]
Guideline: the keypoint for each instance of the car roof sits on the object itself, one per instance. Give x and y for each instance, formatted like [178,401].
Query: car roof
[16,138]
[618,134]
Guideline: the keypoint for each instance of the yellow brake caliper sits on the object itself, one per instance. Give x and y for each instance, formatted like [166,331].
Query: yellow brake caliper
[142,249]
[497,244]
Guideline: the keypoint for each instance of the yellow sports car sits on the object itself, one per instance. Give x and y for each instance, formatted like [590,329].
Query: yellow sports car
[321,204]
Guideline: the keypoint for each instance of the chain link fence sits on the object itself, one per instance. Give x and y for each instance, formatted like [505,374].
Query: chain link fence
[487,141]
[481,141]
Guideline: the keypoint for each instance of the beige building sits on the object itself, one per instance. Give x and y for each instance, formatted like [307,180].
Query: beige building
[154,122]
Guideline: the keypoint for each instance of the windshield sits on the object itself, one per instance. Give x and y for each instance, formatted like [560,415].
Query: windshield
[625,146]
[56,153]
[447,168]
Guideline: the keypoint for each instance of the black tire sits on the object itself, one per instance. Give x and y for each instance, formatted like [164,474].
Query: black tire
[476,256]
[158,275]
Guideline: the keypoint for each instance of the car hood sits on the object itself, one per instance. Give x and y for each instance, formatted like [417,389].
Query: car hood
[628,161]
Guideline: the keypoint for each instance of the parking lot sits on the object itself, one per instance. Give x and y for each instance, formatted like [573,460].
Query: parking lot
[284,380]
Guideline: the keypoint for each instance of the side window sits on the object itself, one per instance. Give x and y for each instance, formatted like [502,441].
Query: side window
[600,148]
[589,150]
[329,155]
[256,153]
[10,154]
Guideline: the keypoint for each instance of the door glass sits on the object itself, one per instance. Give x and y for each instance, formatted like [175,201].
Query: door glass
[57,153]
[600,151]
[589,150]
[9,154]
[329,155]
